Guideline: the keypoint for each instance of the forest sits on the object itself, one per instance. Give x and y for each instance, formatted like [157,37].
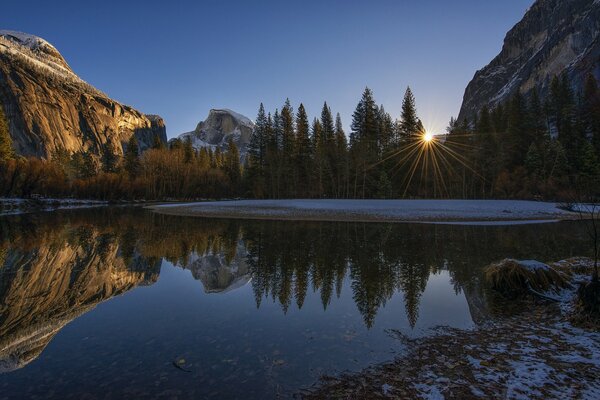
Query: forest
[529,147]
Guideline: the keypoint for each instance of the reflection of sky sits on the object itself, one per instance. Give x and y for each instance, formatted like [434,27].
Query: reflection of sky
[131,340]
[440,305]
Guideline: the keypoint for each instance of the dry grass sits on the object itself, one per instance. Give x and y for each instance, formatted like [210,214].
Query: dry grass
[513,278]
[575,266]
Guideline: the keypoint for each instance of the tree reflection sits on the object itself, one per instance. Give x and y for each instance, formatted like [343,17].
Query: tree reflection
[86,257]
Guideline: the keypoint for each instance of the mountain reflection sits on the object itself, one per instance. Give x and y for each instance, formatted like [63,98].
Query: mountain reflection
[57,266]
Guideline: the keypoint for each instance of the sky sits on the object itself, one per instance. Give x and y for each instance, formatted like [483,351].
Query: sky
[181,58]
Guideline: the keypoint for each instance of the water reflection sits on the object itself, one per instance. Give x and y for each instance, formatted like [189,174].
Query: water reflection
[58,266]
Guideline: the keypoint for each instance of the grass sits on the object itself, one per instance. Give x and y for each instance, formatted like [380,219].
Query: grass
[515,278]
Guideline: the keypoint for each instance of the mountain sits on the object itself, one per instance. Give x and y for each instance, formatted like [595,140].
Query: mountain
[554,37]
[220,272]
[49,107]
[48,281]
[218,127]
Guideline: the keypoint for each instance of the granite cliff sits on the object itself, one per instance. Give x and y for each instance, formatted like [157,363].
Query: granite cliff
[49,107]
[554,37]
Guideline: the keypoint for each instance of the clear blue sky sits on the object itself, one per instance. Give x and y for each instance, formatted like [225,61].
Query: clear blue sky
[178,59]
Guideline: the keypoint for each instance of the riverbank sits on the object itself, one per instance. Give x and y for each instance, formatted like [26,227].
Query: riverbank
[10,206]
[535,352]
[466,211]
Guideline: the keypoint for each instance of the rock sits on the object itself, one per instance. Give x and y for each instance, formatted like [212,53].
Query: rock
[554,36]
[48,106]
[218,273]
[215,131]
[45,287]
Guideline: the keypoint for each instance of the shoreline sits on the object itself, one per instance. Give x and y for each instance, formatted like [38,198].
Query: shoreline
[470,212]
[529,348]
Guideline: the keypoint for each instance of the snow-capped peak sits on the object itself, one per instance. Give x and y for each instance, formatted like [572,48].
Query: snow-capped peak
[25,39]
[241,118]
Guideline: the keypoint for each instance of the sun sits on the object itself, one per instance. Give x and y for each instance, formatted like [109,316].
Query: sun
[427,137]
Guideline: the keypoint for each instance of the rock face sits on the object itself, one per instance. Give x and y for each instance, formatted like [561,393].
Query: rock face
[554,37]
[219,273]
[49,107]
[45,287]
[219,126]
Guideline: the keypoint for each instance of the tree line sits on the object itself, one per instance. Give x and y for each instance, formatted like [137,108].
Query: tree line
[289,156]
[177,171]
[525,147]
[531,146]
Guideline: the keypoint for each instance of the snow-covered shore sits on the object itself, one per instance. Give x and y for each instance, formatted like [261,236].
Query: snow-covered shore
[465,211]
[9,206]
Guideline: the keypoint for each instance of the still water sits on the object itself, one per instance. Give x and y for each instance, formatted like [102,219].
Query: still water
[114,303]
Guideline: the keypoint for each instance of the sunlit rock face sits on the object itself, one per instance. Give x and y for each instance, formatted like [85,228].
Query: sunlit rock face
[220,272]
[220,125]
[49,107]
[555,36]
[45,287]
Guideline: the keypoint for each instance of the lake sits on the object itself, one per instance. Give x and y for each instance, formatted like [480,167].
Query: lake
[121,302]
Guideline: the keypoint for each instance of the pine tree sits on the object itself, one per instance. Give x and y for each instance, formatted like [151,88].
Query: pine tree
[327,151]
[287,148]
[387,131]
[517,141]
[257,146]
[588,162]
[364,145]
[591,111]
[6,150]
[132,161]
[302,153]
[533,161]
[319,161]
[188,150]
[536,121]
[254,171]
[232,163]
[88,165]
[410,126]
[109,160]
[341,157]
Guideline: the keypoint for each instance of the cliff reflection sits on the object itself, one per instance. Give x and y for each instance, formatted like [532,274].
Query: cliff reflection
[57,266]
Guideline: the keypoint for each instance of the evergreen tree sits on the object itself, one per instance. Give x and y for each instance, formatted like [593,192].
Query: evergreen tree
[188,150]
[257,146]
[232,163]
[533,161]
[591,111]
[319,160]
[410,126]
[536,120]
[326,150]
[588,162]
[341,157]
[364,145]
[88,165]
[303,152]
[132,161]
[287,148]
[384,187]
[109,160]
[517,140]
[254,171]
[6,151]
